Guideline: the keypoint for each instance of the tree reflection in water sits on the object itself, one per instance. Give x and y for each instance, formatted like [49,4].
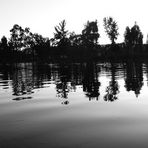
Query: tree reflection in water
[63,83]
[134,77]
[112,91]
[26,77]
[90,81]
[23,79]
[113,88]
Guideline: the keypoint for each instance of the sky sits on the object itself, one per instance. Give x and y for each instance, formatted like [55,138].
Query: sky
[41,16]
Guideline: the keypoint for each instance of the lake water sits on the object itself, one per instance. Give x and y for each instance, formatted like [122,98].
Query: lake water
[74,104]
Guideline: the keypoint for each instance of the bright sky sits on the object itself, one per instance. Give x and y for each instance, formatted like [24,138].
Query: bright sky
[42,15]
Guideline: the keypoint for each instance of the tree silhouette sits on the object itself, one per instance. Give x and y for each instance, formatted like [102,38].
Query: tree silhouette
[127,36]
[38,39]
[90,34]
[133,36]
[75,40]
[20,38]
[4,43]
[28,38]
[60,36]
[111,28]
[39,45]
[16,36]
[4,48]
[28,42]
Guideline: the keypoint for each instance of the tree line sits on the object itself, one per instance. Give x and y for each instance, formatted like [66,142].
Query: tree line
[23,42]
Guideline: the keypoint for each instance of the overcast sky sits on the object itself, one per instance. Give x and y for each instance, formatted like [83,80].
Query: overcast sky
[42,15]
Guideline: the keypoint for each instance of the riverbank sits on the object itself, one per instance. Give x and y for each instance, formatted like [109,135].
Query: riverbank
[102,52]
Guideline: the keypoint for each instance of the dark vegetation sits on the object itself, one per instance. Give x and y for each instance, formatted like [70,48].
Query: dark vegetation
[25,45]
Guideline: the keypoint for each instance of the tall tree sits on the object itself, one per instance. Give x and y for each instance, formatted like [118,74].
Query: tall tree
[90,34]
[60,36]
[127,36]
[20,38]
[133,36]
[16,36]
[111,28]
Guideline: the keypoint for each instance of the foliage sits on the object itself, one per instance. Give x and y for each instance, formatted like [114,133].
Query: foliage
[111,29]
[38,39]
[26,41]
[75,40]
[4,42]
[60,36]
[20,38]
[90,34]
[133,36]
[23,42]
[127,36]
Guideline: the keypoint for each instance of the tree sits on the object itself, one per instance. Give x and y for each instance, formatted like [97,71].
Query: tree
[4,50]
[75,40]
[127,36]
[60,36]
[20,38]
[4,42]
[39,45]
[16,36]
[38,39]
[90,34]
[111,28]
[28,38]
[133,36]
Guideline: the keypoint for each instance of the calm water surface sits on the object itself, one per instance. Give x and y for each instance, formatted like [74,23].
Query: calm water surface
[87,104]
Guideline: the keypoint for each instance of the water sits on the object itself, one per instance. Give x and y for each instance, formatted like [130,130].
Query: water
[80,104]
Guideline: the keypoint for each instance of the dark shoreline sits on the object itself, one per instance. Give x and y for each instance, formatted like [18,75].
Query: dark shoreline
[100,53]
